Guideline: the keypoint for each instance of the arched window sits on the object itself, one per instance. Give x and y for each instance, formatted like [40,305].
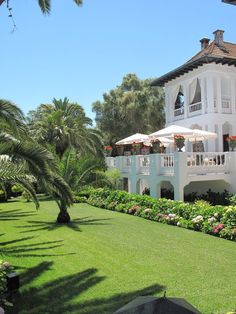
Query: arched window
[179,102]
[195,92]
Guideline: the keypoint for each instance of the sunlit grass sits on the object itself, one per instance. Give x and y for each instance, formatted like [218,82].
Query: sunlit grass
[104,259]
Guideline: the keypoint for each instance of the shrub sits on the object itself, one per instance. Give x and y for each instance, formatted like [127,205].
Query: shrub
[200,216]
[5,268]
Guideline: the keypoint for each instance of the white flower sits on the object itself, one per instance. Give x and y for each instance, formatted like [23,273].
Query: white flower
[212,219]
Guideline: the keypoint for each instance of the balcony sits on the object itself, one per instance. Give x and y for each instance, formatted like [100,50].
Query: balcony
[195,109]
[165,164]
[179,114]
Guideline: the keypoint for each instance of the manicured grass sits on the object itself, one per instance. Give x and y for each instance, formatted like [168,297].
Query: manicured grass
[104,259]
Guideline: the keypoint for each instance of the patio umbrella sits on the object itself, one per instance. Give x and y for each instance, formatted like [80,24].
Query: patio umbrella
[137,138]
[142,138]
[171,131]
[153,305]
[201,135]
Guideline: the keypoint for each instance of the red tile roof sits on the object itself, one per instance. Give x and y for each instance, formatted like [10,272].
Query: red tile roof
[224,54]
[226,50]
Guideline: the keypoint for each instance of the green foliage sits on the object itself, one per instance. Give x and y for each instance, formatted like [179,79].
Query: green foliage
[5,268]
[27,161]
[132,107]
[16,188]
[110,178]
[199,216]
[63,125]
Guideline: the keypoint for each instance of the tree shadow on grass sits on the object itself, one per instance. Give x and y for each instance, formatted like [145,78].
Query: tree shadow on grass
[57,296]
[35,225]
[31,250]
[15,214]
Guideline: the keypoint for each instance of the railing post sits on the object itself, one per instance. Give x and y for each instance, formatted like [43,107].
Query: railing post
[180,174]
[154,171]
[133,174]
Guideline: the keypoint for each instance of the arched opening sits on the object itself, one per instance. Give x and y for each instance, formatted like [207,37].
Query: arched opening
[167,190]
[197,146]
[126,184]
[195,96]
[180,99]
[143,187]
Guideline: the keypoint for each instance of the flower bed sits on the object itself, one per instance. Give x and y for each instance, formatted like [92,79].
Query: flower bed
[217,220]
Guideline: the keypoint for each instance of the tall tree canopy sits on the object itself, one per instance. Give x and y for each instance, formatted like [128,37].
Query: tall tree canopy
[132,107]
[45,5]
[62,125]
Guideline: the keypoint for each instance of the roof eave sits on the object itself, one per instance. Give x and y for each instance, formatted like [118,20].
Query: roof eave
[189,66]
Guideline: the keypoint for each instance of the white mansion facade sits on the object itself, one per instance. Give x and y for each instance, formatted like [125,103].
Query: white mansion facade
[199,94]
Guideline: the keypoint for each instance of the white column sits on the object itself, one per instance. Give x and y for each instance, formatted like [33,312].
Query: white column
[180,175]
[210,93]
[203,96]
[186,100]
[232,94]
[220,137]
[218,95]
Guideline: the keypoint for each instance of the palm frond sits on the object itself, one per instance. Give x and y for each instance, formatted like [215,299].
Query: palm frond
[45,6]
[78,2]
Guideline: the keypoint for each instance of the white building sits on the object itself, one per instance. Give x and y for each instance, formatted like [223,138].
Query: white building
[199,94]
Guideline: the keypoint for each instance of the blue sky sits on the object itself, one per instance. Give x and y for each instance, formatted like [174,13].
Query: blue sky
[80,53]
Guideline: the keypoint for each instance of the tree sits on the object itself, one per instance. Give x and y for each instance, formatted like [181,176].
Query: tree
[28,158]
[64,125]
[132,107]
[45,5]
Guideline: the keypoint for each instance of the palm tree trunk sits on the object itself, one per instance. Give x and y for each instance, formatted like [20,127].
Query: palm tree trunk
[63,216]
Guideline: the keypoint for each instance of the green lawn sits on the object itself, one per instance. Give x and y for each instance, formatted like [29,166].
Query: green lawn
[104,259]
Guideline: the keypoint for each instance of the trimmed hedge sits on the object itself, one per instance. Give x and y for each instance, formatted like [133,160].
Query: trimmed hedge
[217,220]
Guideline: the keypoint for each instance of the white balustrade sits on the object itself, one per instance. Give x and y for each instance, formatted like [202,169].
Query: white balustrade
[226,106]
[195,109]
[204,163]
[167,164]
[126,164]
[164,164]
[179,114]
[144,164]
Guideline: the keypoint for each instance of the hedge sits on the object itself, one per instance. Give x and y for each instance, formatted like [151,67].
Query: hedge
[217,220]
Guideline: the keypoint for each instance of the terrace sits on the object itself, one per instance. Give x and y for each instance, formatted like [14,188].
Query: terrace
[179,169]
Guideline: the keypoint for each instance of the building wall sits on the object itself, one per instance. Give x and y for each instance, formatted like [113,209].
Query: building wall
[218,90]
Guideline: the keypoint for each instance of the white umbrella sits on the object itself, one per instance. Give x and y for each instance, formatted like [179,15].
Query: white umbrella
[142,138]
[201,135]
[135,138]
[171,131]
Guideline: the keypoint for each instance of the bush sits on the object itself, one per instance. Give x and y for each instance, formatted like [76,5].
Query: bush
[17,190]
[201,216]
[5,268]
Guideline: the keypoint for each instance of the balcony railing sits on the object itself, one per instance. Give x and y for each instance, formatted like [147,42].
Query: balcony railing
[226,106]
[179,113]
[202,163]
[165,164]
[195,109]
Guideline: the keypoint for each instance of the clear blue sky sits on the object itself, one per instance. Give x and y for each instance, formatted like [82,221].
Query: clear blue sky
[80,53]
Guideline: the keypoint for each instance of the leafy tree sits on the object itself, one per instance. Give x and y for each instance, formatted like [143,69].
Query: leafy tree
[80,170]
[132,107]
[28,159]
[45,5]
[64,125]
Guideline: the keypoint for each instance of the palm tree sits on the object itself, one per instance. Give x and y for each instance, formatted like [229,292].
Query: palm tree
[63,125]
[30,158]
[45,5]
